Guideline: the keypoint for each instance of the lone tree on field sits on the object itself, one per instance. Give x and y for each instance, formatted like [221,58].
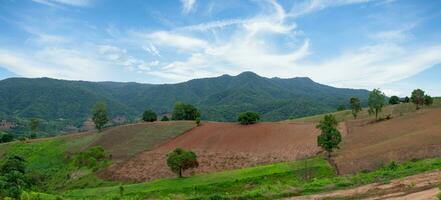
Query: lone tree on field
[428,100]
[330,137]
[149,116]
[180,160]
[417,98]
[183,111]
[406,99]
[394,100]
[99,115]
[355,106]
[246,118]
[376,102]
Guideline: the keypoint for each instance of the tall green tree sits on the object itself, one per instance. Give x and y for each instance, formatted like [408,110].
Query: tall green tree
[183,111]
[149,116]
[180,160]
[355,106]
[99,115]
[394,100]
[417,98]
[330,137]
[376,102]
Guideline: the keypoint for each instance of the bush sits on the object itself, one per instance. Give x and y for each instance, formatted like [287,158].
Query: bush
[90,158]
[165,118]
[6,137]
[198,121]
[149,116]
[246,118]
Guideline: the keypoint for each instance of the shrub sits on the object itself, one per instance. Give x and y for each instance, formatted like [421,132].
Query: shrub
[165,118]
[12,177]
[246,118]
[198,121]
[6,137]
[180,160]
[90,158]
[149,116]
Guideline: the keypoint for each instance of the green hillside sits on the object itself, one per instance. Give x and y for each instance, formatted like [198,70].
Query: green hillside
[62,103]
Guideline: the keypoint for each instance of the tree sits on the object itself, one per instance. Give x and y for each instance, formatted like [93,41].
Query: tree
[183,111]
[376,102]
[330,137]
[355,106]
[99,117]
[180,160]
[149,116]
[246,118]
[35,123]
[406,99]
[417,98]
[165,118]
[394,100]
[428,100]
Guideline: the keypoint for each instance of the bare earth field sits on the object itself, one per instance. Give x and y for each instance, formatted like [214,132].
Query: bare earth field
[222,146]
[412,136]
[418,187]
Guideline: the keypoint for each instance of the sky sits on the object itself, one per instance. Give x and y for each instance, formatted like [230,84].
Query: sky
[394,45]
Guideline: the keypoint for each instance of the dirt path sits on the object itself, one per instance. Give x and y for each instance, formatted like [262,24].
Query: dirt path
[418,187]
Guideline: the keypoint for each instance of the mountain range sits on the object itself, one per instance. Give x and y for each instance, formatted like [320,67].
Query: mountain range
[219,98]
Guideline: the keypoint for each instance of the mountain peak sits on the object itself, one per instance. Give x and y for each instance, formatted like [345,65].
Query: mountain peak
[248,74]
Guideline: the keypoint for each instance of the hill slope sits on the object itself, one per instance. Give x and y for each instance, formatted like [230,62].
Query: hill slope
[219,98]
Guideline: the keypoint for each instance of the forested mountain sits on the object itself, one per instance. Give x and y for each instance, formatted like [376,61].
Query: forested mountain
[220,98]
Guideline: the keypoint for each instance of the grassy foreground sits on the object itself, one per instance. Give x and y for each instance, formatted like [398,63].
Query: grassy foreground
[262,182]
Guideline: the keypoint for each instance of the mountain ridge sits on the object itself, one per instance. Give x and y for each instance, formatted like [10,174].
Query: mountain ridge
[219,98]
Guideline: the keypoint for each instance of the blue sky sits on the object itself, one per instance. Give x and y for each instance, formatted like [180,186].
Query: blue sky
[394,45]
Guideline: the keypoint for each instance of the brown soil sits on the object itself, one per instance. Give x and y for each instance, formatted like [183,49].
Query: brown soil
[222,146]
[417,187]
[370,145]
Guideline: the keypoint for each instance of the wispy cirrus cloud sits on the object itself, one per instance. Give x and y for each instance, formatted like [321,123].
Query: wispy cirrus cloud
[56,3]
[188,5]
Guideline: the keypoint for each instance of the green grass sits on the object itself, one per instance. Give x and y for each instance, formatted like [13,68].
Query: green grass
[47,161]
[263,182]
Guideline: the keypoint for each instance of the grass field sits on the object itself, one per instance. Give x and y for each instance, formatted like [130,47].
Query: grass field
[393,110]
[263,182]
[48,159]
[127,140]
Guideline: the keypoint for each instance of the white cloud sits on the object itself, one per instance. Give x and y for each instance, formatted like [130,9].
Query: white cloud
[188,5]
[152,50]
[170,39]
[375,65]
[308,6]
[53,62]
[391,92]
[56,3]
